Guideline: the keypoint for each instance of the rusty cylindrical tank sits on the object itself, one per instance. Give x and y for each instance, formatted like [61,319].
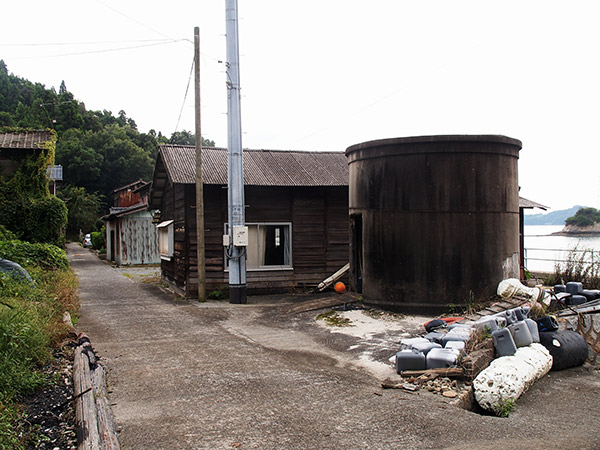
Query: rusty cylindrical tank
[434,219]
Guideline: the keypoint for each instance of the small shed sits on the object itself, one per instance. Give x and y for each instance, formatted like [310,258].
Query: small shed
[16,146]
[296,212]
[131,237]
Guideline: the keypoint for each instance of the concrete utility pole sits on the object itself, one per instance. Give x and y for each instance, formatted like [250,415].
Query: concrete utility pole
[199,182]
[238,233]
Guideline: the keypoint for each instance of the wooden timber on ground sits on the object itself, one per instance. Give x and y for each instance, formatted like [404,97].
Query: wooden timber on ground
[95,426]
[327,302]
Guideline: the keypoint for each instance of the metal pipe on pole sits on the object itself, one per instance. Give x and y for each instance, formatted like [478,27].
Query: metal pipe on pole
[200,256]
[235,193]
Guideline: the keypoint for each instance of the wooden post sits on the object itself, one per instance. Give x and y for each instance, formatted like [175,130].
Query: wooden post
[199,187]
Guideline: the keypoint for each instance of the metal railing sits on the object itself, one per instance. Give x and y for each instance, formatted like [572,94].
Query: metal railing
[555,252]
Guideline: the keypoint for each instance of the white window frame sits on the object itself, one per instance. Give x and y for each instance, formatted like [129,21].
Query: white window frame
[288,266]
[166,240]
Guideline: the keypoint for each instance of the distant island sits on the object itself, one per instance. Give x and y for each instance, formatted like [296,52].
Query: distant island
[585,222]
[552,218]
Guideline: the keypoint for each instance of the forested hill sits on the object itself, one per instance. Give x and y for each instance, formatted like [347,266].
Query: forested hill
[98,150]
[553,218]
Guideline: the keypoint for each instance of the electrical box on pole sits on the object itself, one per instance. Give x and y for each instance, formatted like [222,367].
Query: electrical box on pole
[235,173]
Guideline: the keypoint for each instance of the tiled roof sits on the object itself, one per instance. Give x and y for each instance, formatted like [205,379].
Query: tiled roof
[261,167]
[32,139]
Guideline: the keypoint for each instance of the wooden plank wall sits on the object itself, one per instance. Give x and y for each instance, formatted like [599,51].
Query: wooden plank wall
[320,234]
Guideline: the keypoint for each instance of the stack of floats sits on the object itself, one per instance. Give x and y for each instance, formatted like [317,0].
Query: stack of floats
[436,350]
[510,330]
[572,294]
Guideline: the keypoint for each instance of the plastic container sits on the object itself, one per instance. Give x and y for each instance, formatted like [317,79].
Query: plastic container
[576,299]
[591,294]
[456,345]
[440,358]
[574,287]
[533,329]
[488,324]
[435,336]
[504,342]
[559,288]
[521,334]
[410,360]
[406,344]
[568,348]
[518,312]
[424,347]
[464,326]
[457,334]
[547,323]
[510,316]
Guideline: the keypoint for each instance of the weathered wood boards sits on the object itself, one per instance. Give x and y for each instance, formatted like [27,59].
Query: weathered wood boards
[95,427]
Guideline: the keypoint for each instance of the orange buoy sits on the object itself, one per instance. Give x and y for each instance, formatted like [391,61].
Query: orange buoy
[339,287]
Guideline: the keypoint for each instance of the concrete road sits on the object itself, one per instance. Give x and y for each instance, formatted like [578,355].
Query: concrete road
[185,375]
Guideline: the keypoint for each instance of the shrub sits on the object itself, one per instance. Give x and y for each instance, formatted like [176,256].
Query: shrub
[45,256]
[99,239]
[578,265]
[46,221]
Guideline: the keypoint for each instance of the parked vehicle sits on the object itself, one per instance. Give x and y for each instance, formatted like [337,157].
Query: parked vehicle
[87,240]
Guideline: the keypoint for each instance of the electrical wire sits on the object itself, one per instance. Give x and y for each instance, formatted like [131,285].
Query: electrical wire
[52,44]
[133,20]
[109,50]
[187,88]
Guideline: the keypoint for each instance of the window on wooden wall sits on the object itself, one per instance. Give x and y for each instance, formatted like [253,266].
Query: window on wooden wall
[269,246]
[166,240]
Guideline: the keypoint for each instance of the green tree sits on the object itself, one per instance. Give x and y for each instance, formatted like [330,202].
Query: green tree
[584,217]
[185,137]
[82,164]
[83,208]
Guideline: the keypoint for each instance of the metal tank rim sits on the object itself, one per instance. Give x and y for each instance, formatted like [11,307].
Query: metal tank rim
[448,138]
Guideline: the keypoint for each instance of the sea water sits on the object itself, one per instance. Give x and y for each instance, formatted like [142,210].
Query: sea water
[542,250]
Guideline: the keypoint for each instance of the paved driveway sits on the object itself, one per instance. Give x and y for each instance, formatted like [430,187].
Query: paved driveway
[185,375]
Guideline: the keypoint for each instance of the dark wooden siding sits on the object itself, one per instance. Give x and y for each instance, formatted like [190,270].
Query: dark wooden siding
[320,234]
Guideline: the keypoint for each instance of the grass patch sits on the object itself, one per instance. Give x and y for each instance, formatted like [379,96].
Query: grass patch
[218,294]
[578,265]
[30,325]
[333,318]
[383,315]
[506,407]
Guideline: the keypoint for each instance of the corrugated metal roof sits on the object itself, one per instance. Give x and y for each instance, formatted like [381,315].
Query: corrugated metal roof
[261,167]
[32,139]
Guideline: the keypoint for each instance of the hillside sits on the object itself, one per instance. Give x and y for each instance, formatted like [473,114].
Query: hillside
[553,218]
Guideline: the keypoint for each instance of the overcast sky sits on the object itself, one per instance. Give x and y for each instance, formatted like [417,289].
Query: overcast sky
[327,74]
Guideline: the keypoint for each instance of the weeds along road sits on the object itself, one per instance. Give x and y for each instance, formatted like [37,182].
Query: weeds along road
[186,375]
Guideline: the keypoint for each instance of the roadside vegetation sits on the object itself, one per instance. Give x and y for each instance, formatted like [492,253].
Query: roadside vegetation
[578,265]
[31,326]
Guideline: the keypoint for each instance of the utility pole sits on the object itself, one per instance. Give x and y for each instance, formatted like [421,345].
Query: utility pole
[199,182]
[238,232]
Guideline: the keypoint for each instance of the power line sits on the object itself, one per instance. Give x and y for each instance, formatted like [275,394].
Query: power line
[109,50]
[133,20]
[52,44]
[186,94]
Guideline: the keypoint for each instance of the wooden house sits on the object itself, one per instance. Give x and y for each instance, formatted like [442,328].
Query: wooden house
[131,237]
[296,212]
[16,146]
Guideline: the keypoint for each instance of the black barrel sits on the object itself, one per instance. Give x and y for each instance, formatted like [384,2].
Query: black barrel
[434,219]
